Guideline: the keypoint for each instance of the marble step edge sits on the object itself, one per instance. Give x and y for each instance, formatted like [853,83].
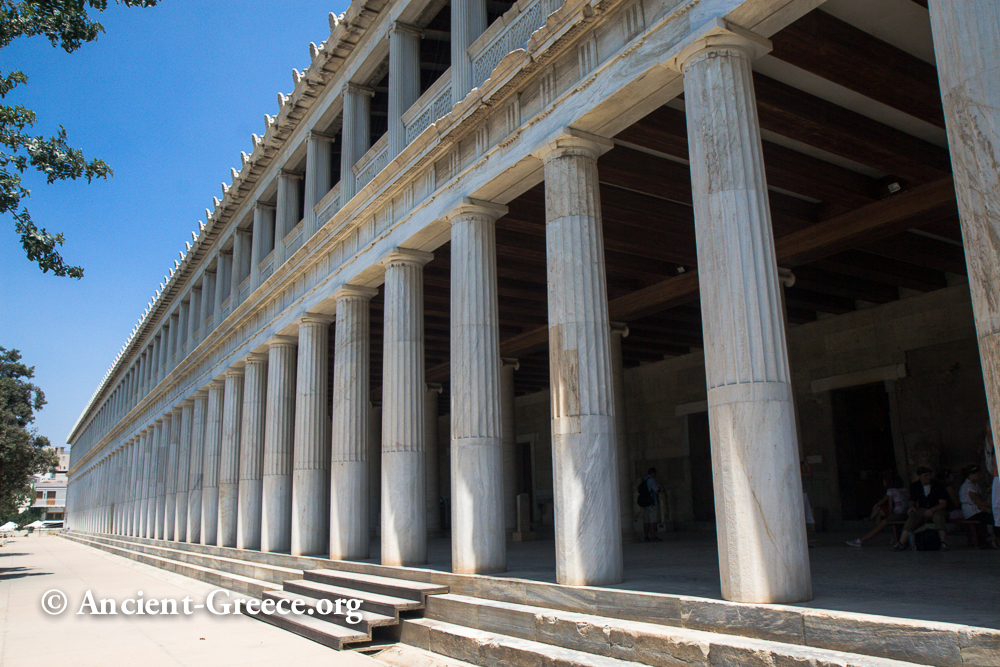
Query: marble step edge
[399,588]
[375,602]
[644,643]
[234,582]
[404,655]
[323,632]
[490,648]
[274,573]
[369,620]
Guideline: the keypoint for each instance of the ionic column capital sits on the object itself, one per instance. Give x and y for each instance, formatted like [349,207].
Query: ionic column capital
[355,292]
[400,256]
[570,141]
[720,37]
[282,341]
[468,206]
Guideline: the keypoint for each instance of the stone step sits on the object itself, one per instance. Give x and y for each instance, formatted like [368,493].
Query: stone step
[317,629]
[370,583]
[381,604]
[644,643]
[369,620]
[237,583]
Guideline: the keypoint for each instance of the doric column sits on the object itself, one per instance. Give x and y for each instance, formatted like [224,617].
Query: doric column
[183,471]
[762,542]
[263,241]
[196,474]
[433,480]
[279,436]
[619,331]
[584,456]
[311,467]
[349,538]
[139,493]
[210,468]
[252,452]
[468,21]
[162,453]
[404,80]
[128,527]
[229,457]
[287,212]
[208,317]
[967,46]
[173,452]
[404,515]
[318,157]
[477,525]
[508,434]
[375,470]
[355,136]
[152,451]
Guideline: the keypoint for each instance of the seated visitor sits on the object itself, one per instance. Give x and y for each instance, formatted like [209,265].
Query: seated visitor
[928,503]
[974,504]
[892,507]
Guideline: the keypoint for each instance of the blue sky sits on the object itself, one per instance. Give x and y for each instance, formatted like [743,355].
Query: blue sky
[168,97]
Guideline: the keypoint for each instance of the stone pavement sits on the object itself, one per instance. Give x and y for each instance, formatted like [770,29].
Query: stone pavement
[28,636]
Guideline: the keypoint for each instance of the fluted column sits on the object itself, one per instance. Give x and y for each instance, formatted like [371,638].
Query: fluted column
[967,46]
[584,456]
[252,452]
[355,136]
[404,515]
[286,215]
[162,453]
[241,265]
[128,523]
[183,471]
[477,525]
[618,332]
[154,367]
[349,538]
[762,543]
[208,304]
[508,434]
[263,241]
[433,480]
[311,468]
[318,158]
[229,457]
[139,492]
[279,436]
[404,80]
[196,477]
[152,451]
[223,281]
[210,469]
[468,21]
[375,470]
[173,452]
[194,319]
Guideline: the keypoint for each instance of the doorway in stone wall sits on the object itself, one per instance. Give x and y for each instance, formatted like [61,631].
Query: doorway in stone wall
[862,433]
[700,451]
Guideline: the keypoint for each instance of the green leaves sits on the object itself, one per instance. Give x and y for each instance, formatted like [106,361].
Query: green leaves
[67,25]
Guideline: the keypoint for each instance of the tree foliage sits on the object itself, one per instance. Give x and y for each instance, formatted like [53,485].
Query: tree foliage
[68,26]
[21,448]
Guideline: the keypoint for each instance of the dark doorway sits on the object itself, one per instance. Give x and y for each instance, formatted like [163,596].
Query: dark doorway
[700,449]
[862,433]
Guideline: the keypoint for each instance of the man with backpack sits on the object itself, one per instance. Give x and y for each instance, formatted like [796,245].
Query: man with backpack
[649,501]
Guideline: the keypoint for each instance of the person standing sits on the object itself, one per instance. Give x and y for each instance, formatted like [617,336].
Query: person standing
[649,501]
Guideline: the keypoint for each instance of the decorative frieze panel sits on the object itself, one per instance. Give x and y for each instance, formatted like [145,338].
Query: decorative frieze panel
[433,104]
[514,37]
[372,163]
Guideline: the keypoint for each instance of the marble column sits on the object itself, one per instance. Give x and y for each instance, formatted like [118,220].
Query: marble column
[183,471]
[162,453]
[223,280]
[758,490]
[468,21]
[154,367]
[355,136]
[584,455]
[319,154]
[252,452]
[152,448]
[210,469]
[279,436]
[128,528]
[208,316]
[349,538]
[196,474]
[194,319]
[404,515]
[311,467]
[625,468]
[508,434]
[477,521]
[173,452]
[404,80]
[433,480]
[139,492]
[263,241]
[967,47]
[287,213]
[375,470]
[241,265]
[229,457]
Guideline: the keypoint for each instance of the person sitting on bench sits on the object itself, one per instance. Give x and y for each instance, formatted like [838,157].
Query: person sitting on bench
[892,507]
[928,502]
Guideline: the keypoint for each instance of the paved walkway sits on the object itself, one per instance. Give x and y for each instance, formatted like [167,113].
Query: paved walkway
[29,637]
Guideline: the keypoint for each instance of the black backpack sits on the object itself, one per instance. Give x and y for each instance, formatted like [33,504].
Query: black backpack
[645,497]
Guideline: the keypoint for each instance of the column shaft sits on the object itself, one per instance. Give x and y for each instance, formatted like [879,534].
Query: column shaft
[162,453]
[229,457]
[404,81]
[173,452]
[252,452]
[431,399]
[210,470]
[279,436]
[468,21]
[318,157]
[287,212]
[355,137]
[196,474]
[183,472]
